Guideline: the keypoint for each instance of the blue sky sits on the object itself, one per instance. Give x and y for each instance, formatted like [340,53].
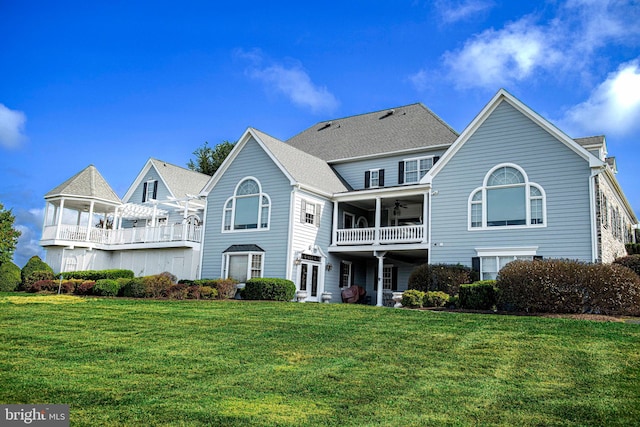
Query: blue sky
[114,83]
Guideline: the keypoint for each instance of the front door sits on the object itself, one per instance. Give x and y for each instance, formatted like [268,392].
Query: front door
[310,276]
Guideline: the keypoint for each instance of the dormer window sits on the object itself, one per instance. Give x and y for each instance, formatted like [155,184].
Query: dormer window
[374,178]
[411,171]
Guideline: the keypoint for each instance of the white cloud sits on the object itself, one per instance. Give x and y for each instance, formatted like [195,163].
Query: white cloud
[453,12]
[497,58]
[11,127]
[290,80]
[612,108]
[566,43]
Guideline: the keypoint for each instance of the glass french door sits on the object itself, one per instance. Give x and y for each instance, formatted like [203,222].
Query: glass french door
[309,279]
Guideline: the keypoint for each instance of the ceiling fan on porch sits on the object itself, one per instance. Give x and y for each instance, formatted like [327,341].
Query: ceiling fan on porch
[397,206]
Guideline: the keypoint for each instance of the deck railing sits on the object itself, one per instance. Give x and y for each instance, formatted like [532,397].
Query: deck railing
[385,235]
[162,233]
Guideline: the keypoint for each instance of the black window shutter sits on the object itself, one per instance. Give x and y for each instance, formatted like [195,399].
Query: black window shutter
[144,192]
[375,277]
[381,177]
[435,159]
[155,190]
[475,264]
[394,278]
[401,172]
[343,268]
[352,275]
[367,179]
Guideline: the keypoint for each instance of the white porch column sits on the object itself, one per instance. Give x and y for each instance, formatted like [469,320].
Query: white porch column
[380,256]
[378,221]
[59,219]
[334,229]
[426,207]
[90,220]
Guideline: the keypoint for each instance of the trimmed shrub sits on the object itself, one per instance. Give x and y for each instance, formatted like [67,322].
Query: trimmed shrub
[446,278]
[132,288]
[47,285]
[566,286]
[435,299]
[480,295]
[225,288]
[412,298]
[179,291]
[34,264]
[95,275]
[630,261]
[85,287]
[36,276]
[454,301]
[612,289]
[207,292]
[9,277]
[633,248]
[271,289]
[156,286]
[106,287]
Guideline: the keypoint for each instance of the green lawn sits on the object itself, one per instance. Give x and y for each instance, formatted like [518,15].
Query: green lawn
[137,362]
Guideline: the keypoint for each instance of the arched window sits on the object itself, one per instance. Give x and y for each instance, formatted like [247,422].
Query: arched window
[248,209]
[507,198]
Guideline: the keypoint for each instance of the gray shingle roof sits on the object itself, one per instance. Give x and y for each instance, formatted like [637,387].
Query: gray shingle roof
[401,128]
[303,167]
[180,181]
[86,183]
[590,140]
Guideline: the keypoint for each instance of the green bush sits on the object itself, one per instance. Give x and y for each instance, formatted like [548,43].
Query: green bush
[446,278]
[271,289]
[34,264]
[225,288]
[95,275]
[566,286]
[132,288]
[207,292]
[412,298]
[480,295]
[9,277]
[106,287]
[454,301]
[630,261]
[435,299]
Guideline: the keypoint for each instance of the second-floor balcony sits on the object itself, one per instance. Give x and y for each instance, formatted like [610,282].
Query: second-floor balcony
[123,236]
[389,216]
[384,235]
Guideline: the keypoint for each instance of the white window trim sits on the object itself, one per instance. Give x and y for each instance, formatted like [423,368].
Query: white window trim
[418,170]
[348,284]
[232,209]
[371,171]
[317,216]
[224,272]
[364,220]
[527,184]
[387,267]
[504,252]
[148,197]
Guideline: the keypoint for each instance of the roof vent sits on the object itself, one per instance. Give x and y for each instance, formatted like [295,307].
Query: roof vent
[388,113]
[326,125]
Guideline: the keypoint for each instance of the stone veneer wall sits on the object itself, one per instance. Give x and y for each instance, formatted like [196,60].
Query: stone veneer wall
[610,247]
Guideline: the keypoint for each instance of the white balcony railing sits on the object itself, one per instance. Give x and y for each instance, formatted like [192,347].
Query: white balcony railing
[385,235]
[162,233]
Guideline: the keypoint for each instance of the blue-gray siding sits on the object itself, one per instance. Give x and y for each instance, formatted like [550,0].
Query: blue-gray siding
[353,172]
[251,161]
[507,136]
